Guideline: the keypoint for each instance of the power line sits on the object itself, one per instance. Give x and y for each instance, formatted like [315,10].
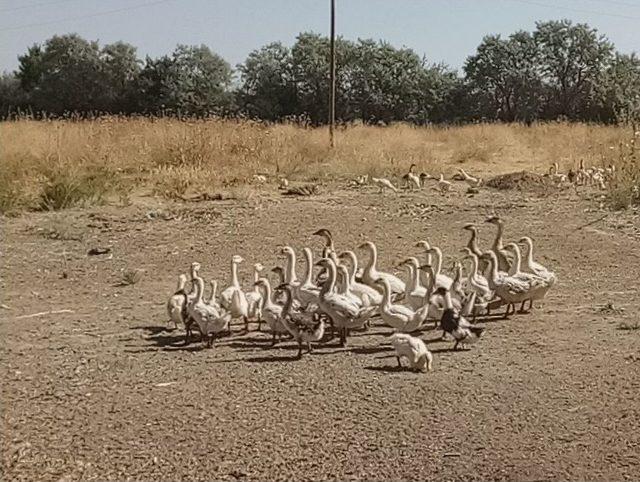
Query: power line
[83,17]
[617,2]
[34,5]
[578,10]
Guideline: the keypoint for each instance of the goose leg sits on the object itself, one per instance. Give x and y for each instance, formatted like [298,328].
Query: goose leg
[530,304]
[299,350]
[522,310]
[308,347]
[399,362]
[246,323]
[343,337]
[455,346]
[273,342]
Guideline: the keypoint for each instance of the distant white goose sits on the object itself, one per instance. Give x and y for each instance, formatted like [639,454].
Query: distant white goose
[411,179]
[470,180]
[443,185]
[371,274]
[383,183]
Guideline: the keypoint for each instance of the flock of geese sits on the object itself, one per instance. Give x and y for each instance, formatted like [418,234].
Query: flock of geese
[343,297]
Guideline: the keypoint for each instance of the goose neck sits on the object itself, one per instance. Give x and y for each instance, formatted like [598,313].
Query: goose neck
[330,283]
[199,289]
[529,254]
[234,274]
[290,273]
[309,266]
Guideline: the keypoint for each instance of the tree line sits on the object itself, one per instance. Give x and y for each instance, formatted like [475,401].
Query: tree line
[560,70]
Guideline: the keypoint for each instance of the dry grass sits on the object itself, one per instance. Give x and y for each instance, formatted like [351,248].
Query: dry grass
[57,164]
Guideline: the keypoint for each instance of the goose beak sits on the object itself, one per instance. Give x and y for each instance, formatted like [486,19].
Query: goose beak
[281,286]
[363,246]
[425,267]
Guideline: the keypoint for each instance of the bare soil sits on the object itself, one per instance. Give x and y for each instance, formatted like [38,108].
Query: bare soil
[104,392]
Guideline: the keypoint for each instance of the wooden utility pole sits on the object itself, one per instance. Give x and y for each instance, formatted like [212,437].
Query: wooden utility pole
[332,75]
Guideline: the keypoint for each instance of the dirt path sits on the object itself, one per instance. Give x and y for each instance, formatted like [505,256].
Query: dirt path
[105,393]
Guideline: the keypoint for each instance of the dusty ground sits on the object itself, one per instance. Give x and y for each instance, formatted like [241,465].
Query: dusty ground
[104,392]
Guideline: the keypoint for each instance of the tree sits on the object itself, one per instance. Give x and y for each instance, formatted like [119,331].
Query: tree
[620,90]
[64,75]
[193,80]
[504,75]
[268,90]
[12,96]
[573,60]
[120,68]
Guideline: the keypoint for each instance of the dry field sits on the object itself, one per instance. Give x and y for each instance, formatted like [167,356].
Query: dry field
[99,390]
[58,164]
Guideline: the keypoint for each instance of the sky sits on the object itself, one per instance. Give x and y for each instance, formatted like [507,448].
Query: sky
[442,30]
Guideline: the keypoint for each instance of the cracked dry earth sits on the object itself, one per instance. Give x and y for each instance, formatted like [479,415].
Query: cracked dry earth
[105,393]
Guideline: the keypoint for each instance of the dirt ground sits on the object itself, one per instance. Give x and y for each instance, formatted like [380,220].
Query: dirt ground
[105,392]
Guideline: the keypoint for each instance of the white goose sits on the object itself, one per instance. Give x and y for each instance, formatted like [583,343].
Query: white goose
[433,300]
[360,289]
[510,289]
[209,320]
[504,260]
[443,185]
[414,350]
[177,302]
[343,287]
[307,292]
[399,317]
[383,183]
[411,179]
[542,284]
[233,298]
[531,266]
[290,276]
[301,330]
[470,180]
[472,244]
[345,314]
[271,312]
[440,279]
[371,274]
[476,282]
[254,297]
[415,293]
[328,238]
[212,299]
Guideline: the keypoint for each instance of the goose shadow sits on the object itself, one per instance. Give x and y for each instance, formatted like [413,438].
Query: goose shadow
[388,369]
[370,350]
[272,359]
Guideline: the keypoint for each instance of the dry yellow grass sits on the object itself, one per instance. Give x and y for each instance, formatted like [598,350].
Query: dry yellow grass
[51,165]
